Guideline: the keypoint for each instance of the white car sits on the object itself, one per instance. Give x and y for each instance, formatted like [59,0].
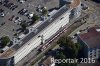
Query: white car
[2,14]
[30,15]
[78,32]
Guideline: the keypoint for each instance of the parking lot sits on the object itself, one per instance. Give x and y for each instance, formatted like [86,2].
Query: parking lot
[14,12]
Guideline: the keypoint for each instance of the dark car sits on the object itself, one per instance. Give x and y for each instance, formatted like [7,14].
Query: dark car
[13,8]
[20,11]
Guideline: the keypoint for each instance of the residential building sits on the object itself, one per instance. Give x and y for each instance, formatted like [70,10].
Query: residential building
[47,62]
[90,42]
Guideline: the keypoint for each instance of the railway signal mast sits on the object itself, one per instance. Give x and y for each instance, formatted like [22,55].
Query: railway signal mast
[42,39]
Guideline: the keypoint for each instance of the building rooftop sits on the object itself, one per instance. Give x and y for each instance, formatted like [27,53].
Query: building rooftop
[47,62]
[75,3]
[91,38]
[7,62]
[6,54]
[90,64]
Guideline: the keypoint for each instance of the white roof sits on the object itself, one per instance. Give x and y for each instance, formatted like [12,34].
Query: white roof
[37,24]
[78,32]
[22,36]
[68,0]
[22,1]
[5,48]
[98,30]
[52,12]
[31,15]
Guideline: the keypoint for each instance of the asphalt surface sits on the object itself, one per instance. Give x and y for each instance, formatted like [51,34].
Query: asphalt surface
[30,5]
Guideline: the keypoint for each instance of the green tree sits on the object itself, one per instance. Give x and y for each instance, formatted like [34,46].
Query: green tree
[69,49]
[4,41]
[44,12]
[78,46]
[60,55]
[35,17]
[23,25]
[65,42]
[61,40]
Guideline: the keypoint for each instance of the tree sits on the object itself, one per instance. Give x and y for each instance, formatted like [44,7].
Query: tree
[78,46]
[35,17]
[65,42]
[70,50]
[4,41]
[23,25]
[44,11]
[60,55]
[61,40]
